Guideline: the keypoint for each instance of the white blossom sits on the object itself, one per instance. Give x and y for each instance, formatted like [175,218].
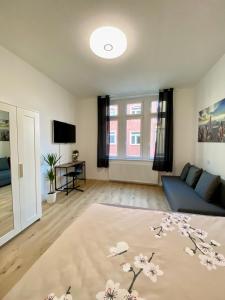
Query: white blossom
[51,297]
[140,261]
[126,267]
[120,248]
[205,248]
[219,259]
[66,297]
[112,292]
[152,228]
[207,261]
[215,243]
[152,271]
[167,226]
[189,251]
[201,234]
[132,296]
[184,229]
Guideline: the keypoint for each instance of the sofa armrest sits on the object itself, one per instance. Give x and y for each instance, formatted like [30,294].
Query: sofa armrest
[202,212]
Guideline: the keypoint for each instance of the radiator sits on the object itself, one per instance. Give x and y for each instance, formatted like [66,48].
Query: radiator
[132,171]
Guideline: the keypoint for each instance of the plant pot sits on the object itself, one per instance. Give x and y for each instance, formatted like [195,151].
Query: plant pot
[51,197]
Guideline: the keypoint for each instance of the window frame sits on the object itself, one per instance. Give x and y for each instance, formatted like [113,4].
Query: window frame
[115,137]
[145,118]
[135,135]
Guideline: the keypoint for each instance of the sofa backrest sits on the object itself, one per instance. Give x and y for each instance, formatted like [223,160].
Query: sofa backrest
[220,194]
[4,164]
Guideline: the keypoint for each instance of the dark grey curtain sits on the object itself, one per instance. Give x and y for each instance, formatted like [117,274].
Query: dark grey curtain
[103,132]
[163,159]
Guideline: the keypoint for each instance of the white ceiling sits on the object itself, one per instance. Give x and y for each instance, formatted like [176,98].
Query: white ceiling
[171,43]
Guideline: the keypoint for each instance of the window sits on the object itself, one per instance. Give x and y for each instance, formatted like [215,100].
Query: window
[113,110]
[135,138]
[133,128]
[112,138]
[134,108]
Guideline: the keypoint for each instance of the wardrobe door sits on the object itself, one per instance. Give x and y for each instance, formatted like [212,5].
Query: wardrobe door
[29,166]
[9,185]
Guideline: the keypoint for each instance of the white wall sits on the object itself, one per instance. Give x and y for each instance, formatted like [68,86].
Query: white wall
[184,126]
[87,137]
[183,141]
[24,86]
[211,156]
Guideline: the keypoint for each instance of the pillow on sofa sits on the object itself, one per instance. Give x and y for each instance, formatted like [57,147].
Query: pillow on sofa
[193,176]
[4,165]
[184,172]
[207,185]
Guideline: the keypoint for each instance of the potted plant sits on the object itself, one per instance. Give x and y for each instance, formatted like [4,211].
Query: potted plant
[75,155]
[51,159]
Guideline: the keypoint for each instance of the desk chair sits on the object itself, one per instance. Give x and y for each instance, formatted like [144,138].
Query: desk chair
[75,176]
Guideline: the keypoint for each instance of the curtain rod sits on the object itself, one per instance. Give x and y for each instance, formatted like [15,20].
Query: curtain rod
[117,97]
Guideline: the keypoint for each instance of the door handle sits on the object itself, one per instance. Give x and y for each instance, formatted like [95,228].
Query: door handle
[20,170]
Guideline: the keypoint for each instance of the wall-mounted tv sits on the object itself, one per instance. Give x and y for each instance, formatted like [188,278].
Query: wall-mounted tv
[63,132]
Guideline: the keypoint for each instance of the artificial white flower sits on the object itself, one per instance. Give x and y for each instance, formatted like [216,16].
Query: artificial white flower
[132,296]
[140,261]
[189,251]
[201,234]
[152,271]
[126,267]
[207,261]
[219,259]
[205,248]
[120,248]
[214,243]
[112,292]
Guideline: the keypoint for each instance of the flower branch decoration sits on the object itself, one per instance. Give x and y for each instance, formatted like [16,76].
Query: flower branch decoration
[66,296]
[141,264]
[119,249]
[207,251]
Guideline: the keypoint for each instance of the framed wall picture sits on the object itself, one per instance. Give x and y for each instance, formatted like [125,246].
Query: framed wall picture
[211,123]
[4,130]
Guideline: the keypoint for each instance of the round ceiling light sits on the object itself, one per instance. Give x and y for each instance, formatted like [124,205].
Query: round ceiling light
[108,42]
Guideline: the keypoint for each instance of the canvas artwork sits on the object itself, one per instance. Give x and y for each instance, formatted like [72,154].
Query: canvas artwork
[211,123]
[4,130]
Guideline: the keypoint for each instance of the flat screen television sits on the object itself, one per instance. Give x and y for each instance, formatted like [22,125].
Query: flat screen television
[63,132]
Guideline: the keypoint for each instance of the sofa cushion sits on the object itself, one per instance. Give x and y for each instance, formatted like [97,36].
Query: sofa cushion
[219,195]
[193,176]
[4,165]
[184,172]
[207,185]
[183,198]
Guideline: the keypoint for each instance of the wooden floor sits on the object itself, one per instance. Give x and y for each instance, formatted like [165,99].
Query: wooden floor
[6,209]
[18,255]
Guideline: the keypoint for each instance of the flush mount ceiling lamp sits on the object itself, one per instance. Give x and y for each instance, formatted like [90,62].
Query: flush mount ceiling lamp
[108,42]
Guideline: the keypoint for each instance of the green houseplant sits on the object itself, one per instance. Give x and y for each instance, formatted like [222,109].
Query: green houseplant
[51,160]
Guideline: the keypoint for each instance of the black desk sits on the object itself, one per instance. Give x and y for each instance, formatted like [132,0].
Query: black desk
[71,168]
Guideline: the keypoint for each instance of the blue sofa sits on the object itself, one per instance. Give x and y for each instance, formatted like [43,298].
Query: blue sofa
[5,173]
[183,198]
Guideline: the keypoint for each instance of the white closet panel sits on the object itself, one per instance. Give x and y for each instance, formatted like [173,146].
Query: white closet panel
[29,166]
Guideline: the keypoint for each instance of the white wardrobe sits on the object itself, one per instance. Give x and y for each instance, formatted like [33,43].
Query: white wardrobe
[20,198]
